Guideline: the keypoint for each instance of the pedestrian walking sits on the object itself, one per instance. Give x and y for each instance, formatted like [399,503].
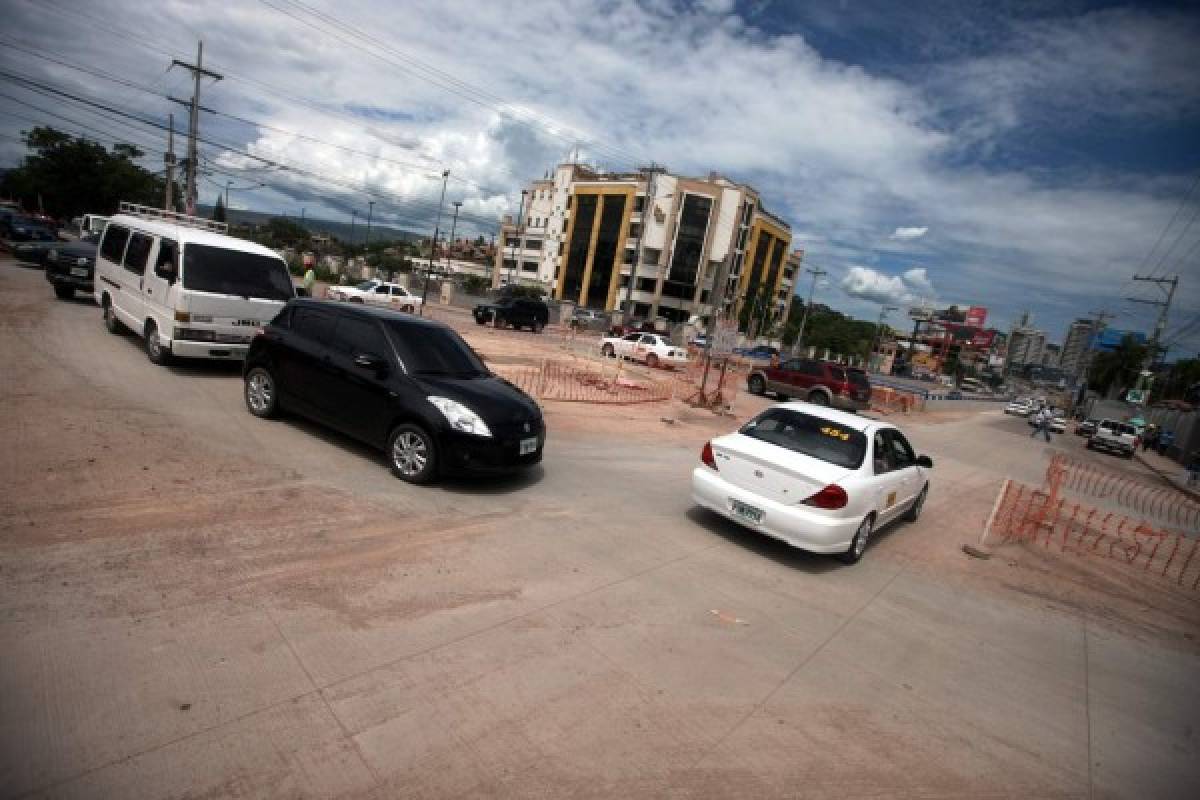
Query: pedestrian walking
[1041,424]
[310,278]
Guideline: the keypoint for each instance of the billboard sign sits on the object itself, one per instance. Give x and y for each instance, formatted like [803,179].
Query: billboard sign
[982,340]
[976,316]
[1110,339]
[920,314]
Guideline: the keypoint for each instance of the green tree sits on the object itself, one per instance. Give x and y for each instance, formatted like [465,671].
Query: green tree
[218,214]
[1119,367]
[69,176]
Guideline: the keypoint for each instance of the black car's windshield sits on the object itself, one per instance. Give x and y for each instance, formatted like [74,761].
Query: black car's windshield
[224,271]
[428,350]
[810,436]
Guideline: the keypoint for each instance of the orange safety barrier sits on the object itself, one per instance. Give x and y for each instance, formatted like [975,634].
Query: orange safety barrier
[555,380]
[1034,516]
[1155,501]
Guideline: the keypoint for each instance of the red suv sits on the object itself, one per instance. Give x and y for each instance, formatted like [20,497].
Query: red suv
[818,382]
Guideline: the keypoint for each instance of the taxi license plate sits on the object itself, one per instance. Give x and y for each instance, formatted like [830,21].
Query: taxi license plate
[746,512]
[528,446]
[79,272]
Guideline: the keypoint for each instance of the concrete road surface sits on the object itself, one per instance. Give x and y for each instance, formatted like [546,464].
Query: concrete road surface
[198,603]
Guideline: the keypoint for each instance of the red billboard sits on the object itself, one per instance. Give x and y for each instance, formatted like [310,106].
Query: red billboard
[982,340]
[976,316]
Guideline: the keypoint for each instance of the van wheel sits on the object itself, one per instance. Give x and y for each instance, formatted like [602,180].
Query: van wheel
[412,454]
[858,545]
[261,393]
[154,349]
[64,291]
[110,318]
[757,385]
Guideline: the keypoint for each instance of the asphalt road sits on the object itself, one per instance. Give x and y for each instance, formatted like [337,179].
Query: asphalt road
[200,603]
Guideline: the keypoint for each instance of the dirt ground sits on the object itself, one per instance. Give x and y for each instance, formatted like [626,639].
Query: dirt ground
[198,603]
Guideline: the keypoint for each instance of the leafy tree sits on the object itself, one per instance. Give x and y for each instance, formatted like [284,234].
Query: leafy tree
[69,176]
[283,231]
[218,214]
[1119,367]
[829,329]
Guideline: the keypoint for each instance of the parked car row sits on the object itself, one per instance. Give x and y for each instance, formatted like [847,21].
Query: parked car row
[407,385]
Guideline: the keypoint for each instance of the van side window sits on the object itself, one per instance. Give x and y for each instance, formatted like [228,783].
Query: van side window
[166,265]
[113,246]
[138,252]
[313,324]
[355,336]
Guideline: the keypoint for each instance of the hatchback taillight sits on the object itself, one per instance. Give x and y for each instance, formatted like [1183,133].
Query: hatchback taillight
[831,497]
[706,455]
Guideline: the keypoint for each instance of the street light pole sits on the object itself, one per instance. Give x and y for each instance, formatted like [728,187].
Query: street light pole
[433,242]
[816,273]
[883,312]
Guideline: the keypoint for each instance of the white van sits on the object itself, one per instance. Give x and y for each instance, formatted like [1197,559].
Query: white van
[188,289]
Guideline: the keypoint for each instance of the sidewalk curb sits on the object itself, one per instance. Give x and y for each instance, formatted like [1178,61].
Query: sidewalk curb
[1167,478]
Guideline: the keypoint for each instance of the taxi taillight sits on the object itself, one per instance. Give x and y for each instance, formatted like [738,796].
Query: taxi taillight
[832,497]
[706,455]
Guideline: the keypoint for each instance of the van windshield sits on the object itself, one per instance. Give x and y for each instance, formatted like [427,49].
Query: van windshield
[222,270]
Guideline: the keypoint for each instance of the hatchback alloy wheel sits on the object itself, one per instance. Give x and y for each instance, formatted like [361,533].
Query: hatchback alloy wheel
[261,396]
[412,454]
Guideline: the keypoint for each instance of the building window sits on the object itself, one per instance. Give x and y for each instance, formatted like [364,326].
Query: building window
[646,284]
[533,244]
[651,256]
[639,203]
[561,245]
[629,254]
[635,230]
[604,260]
[581,236]
[568,201]
[511,241]
[704,296]
[529,266]
[565,223]
[689,239]
[510,263]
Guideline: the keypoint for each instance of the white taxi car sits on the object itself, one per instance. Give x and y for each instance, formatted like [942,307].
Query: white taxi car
[377,293]
[818,479]
[650,348]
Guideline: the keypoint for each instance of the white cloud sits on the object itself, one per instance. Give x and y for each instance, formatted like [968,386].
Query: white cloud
[838,151]
[873,286]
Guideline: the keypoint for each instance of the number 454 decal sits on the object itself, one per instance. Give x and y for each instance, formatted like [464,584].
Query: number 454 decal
[835,433]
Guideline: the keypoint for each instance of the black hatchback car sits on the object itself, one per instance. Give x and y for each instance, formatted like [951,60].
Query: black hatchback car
[407,385]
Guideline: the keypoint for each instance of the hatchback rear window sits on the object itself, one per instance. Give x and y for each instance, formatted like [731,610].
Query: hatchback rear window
[222,270]
[810,436]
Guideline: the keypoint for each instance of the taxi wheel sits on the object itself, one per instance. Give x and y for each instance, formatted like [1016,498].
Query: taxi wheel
[858,545]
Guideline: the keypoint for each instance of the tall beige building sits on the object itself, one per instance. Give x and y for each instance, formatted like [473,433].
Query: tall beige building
[583,233]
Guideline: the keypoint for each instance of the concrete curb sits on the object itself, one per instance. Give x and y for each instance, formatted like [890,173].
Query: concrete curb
[1167,477]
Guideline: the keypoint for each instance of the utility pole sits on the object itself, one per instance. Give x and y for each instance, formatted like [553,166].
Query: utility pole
[453,225]
[370,214]
[517,239]
[169,159]
[353,220]
[651,171]
[197,71]
[1164,305]
[433,242]
[816,273]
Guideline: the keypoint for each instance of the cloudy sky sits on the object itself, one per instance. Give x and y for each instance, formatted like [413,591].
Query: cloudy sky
[1015,154]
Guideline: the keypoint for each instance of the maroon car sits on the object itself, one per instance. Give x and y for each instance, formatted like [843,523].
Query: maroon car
[818,382]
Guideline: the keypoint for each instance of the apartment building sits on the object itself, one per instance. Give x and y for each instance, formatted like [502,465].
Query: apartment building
[651,242]
[1025,346]
[1076,350]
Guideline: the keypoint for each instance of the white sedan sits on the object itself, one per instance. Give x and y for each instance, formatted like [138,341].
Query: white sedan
[377,293]
[1019,409]
[819,479]
[649,348]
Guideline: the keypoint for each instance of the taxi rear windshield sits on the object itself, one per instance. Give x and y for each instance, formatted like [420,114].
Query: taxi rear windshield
[808,435]
[224,271]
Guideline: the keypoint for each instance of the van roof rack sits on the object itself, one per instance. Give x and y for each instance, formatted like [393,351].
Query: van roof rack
[149,212]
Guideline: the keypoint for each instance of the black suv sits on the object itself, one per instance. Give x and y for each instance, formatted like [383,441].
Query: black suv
[408,385]
[519,312]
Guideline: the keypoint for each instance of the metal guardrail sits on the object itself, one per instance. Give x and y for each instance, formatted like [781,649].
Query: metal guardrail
[174,217]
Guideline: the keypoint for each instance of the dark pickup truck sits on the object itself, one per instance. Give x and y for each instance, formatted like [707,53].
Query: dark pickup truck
[519,312]
[70,266]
